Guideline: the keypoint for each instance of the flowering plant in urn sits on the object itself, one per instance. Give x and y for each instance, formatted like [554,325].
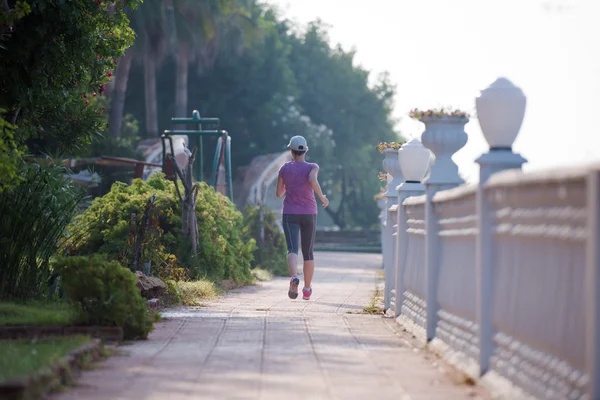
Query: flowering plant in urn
[417,114]
[391,165]
[444,135]
[388,145]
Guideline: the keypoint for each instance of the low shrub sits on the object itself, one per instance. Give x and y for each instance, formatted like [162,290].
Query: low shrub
[171,271]
[271,252]
[106,292]
[223,252]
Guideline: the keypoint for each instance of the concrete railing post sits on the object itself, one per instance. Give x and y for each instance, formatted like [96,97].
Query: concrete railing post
[444,136]
[414,161]
[593,286]
[392,167]
[381,203]
[500,110]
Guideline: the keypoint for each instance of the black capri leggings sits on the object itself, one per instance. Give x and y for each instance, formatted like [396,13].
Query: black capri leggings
[300,227]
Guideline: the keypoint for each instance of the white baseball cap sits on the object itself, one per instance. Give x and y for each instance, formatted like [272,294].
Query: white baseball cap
[298,143]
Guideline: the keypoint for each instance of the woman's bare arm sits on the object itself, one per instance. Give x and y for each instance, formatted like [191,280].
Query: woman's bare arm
[280,187]
[314,183]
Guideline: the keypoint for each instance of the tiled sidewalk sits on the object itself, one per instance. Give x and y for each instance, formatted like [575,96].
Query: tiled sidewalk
[255,343]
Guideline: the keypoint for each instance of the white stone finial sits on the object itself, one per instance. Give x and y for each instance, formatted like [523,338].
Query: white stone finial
[414,160]
[500,111]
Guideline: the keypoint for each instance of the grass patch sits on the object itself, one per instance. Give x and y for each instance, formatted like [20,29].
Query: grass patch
[262,275]
[191,293]
[23,357]
[156,317]
[38,314]
[373,308]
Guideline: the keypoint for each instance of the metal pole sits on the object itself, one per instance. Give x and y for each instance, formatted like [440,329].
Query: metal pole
[200,153]
[216,163]
[228,166]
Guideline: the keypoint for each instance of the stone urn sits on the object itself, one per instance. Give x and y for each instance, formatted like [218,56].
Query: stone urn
[444,136]
[391,165]
[500,111]
[414,161]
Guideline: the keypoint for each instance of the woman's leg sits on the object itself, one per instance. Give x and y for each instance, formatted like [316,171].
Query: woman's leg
[308,230]
[291,230]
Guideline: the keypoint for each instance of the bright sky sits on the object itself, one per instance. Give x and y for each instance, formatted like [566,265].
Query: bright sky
[442,52]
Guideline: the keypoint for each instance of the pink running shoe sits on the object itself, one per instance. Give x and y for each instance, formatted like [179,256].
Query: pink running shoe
[293,291]
[306,292]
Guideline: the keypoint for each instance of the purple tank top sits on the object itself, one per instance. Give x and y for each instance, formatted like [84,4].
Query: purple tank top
[299,196]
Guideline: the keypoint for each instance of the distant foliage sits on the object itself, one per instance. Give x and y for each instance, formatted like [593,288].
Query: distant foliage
[271,253]
[10,152]
[106,292]
[222,252]
[290,82]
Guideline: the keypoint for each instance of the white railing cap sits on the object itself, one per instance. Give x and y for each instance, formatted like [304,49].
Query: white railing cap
[455,193]
[415,200]
[518,178]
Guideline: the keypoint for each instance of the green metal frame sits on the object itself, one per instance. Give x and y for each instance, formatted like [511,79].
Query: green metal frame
[222,153]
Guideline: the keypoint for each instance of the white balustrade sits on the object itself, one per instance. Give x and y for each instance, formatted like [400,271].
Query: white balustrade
[502,277]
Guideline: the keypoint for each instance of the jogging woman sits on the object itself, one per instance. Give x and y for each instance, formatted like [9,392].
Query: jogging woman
[298,181]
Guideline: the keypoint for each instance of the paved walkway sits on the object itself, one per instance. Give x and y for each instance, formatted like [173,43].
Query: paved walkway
[255,343]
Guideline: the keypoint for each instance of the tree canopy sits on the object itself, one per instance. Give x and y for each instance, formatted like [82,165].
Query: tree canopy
[237,60]
[55,58]
[291,82]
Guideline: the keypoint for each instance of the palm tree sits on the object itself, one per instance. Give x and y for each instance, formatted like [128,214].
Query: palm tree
[197,31]
[202,31]
[118,92]
[154,39]
[150,48]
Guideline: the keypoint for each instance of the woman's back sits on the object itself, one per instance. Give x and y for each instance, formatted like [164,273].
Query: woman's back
[299,195]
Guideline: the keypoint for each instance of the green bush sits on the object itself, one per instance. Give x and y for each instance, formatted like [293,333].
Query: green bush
[34,213]
[270,255]
[106,292]
[223,252]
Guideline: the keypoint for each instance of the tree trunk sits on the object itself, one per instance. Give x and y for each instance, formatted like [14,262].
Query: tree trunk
[338,216]
[181,81]
[150,88]
[189,222]
[117,103]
